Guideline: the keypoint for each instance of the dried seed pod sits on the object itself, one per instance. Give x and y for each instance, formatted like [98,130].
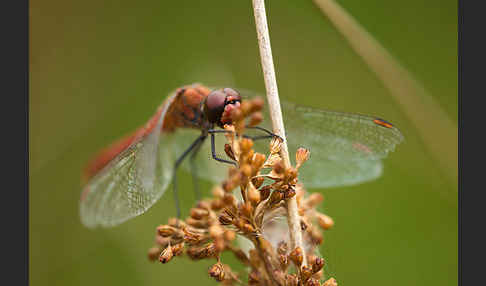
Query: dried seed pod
[317,264]
[229,235]
[174,222]
[178,248]
[246,145]
[217,271]
[217,204]
[282,248]
[301,156]
[256,104]
[276,197]
[253,194]
[284,261]
[229,200]
[199,213]
[197,223]
[314,199]
[246,170]
[166,230]
[258,161]
[153,253]
[289,193]
[330,282]
[255,119]
[305,272]
[225,219]
[291,280]
[265,192]
[275,145]
[245,209]
[326,222]
[257,181]
[312,282]
[229,151]
[254,278]
[166,254]
[296,256]
[278,167]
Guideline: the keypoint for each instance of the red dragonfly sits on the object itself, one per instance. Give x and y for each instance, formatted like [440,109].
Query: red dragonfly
[128,177]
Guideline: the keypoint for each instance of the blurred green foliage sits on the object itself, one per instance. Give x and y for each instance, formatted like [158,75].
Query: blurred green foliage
[100,68]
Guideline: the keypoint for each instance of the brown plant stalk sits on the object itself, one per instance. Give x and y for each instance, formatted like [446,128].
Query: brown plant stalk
[249,206]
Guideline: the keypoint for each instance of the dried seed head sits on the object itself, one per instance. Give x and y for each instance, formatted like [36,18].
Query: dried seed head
[254,277]
[330,282]
[255,119]
[197,223]
[317,264]
[217,204]
[283,260]
[254,258]
[166,230]
[253,194]
[312,282]
[198,213]
[153,253]
[229,235]
[192,238]
[218,191]
[265,192]
[229,151]
[301,156]
[166,254]
[258,161]
[289,193]
[306,272]
[291,280]
[257,181]
[276,197]
[246,170]
[278,167]
[290,174]
[229,200]
[314,199]
[174,222]
[217,271]
[256,104]
[245,209]
[225,219]
[282,247]
[275,145]
[178,248]
[216,231]
[326,222]
[296,256]
[246,145]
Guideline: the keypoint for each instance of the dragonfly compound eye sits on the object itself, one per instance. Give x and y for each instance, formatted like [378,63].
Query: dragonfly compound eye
[214,106]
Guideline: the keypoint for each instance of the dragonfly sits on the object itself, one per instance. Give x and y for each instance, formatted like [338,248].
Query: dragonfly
[125,179]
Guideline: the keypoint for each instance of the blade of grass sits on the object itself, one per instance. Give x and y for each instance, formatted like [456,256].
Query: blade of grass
[438,131]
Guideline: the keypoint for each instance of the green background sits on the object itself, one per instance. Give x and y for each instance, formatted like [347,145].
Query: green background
[100,68]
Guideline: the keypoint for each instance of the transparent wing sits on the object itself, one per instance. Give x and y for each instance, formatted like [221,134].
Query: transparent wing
[346,149]
[132,182]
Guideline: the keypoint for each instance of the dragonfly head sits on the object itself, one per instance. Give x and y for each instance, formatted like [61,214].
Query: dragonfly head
[219,104]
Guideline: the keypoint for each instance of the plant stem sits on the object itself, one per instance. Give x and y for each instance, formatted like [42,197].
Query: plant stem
[293,217]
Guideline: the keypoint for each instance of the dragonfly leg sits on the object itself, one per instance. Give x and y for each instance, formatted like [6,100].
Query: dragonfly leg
[270,133]
[176,166]
[192,159]
[213,152]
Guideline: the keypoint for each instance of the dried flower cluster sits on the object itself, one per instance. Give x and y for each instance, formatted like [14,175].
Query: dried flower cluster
[258,215]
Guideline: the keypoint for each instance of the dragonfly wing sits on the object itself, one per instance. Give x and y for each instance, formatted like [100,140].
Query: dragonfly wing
[346,149]
[133,181]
